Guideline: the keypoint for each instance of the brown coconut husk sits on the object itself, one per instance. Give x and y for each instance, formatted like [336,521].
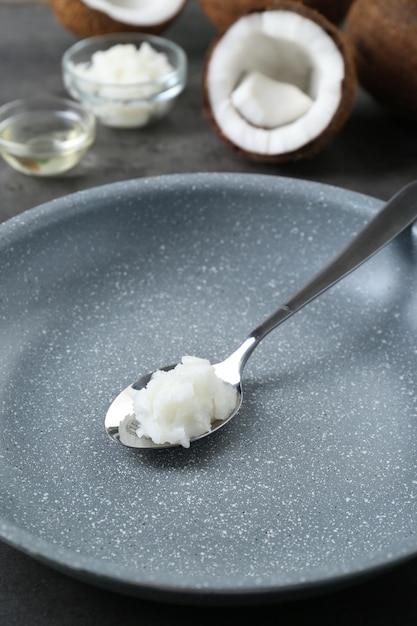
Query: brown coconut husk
[222,13]
[383,34]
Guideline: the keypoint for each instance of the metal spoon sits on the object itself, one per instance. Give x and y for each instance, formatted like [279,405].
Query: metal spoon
[398,213]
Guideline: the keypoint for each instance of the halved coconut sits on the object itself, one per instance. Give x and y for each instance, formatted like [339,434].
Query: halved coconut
[87,18]
[280,83]
[222,13]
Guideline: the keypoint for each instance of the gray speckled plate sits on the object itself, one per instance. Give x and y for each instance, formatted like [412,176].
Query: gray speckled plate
[315,482]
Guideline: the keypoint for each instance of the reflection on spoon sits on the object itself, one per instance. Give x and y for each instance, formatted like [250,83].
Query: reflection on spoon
[399,212]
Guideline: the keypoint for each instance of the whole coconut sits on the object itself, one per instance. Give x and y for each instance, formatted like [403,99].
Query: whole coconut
[383,34]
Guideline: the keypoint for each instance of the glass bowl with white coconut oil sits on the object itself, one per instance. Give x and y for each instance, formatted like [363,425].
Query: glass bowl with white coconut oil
[45,136]
[128,80]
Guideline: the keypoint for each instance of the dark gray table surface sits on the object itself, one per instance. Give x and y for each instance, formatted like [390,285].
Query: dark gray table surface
[375,154]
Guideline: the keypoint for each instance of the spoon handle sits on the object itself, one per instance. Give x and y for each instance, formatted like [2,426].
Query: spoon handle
[399,212]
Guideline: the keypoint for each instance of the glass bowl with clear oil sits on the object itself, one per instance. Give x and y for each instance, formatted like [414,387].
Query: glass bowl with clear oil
[45,136]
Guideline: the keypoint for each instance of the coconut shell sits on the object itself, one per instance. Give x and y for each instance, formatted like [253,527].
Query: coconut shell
[342,113]
[334,10]
[222,13]
[84,22]
[383,34]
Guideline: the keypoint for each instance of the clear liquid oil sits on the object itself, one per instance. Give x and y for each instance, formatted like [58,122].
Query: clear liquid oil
[51,144]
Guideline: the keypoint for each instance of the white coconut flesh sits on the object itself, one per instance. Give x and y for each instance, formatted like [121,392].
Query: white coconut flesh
[274,82]
[137,12]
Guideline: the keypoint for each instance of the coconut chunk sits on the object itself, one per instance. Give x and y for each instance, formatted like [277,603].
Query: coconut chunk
[269,103]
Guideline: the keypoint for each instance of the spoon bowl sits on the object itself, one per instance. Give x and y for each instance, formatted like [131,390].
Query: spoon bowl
[398,213]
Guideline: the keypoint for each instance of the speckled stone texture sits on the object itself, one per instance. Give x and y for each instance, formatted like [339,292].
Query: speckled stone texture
[315,480]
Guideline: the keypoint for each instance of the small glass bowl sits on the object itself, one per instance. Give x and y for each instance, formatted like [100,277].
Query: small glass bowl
[131,105]
[44,136]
